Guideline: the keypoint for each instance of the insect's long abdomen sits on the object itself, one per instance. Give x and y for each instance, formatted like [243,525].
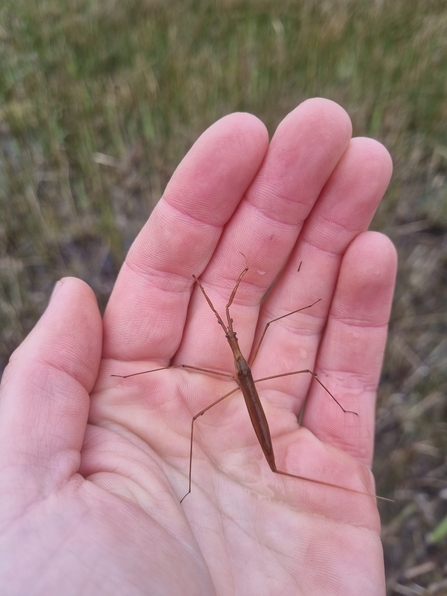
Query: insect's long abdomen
[252,401]
[257,416]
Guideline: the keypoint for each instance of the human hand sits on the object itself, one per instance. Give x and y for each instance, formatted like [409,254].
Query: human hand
[93,467]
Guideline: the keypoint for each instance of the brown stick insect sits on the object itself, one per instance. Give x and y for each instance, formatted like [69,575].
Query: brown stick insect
[246,384]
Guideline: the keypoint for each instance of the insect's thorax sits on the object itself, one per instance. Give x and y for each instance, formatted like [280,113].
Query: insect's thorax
[239,361]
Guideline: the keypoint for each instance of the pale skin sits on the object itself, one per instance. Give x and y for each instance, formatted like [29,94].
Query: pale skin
[93,467]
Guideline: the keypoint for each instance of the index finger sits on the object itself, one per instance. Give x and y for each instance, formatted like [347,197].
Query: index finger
[146,313]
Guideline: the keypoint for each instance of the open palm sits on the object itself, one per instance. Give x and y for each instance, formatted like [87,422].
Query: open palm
[94,466]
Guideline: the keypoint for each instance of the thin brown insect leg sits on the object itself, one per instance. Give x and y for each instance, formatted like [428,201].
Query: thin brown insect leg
[220,321]
[226,328]
[315,376]
[187,366]
[352,490]
[194,418]
[233,294]
[278,319]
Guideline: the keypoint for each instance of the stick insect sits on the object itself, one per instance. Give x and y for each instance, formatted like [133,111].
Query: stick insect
[246,384]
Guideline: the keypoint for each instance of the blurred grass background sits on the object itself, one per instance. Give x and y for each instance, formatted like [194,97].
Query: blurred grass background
[99,101]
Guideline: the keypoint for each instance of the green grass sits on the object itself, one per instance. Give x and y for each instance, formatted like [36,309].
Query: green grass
[100,100]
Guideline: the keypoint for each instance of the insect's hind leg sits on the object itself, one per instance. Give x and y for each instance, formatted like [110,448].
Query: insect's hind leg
[351,490]
[315,376]
[193,420]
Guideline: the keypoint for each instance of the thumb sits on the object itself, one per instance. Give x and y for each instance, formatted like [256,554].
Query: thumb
[44,394]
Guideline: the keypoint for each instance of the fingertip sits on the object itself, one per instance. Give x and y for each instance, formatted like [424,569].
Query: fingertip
[375,156]
[328,106]
[240,133]
[316,133]
[376,251]
[68,336]
[246,126]
[367,279]
[234,146]
[323,115]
